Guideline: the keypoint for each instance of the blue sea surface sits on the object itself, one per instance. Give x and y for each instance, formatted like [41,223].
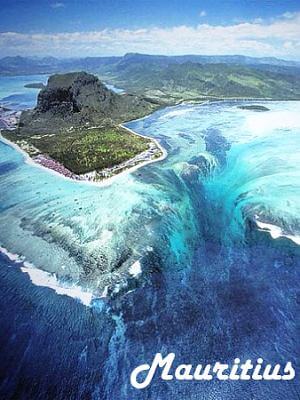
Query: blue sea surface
[13,93]
[214,229]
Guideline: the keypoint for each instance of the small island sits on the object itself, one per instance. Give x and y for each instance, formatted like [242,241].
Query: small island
[254,107]
[34,85]
[76,129]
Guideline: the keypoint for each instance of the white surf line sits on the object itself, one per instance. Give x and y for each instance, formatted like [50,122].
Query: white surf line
[29,160]
[276,232]
[135,269]
[106,181]
[13,257]
[42,278]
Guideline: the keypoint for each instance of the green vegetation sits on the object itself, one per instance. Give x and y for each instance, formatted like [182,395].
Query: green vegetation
[95,149]
[84,150]
[173,83]
[171,79]
[70,103]
[76,123]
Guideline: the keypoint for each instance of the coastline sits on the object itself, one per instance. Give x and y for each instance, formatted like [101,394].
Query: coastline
[49,280]
[106,181]
[274,231]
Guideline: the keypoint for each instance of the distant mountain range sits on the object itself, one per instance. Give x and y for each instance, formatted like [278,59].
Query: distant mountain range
[32,65]
[235,59]
[172,79]
[48,65]
[196,82]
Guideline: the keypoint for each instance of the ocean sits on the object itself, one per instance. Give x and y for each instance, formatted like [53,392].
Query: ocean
[197,254]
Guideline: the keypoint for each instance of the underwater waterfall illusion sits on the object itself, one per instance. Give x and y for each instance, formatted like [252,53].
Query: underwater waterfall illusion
[197,254]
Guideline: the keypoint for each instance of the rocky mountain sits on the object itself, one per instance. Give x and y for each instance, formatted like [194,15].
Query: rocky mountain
[75,128]
[171,79]
[80,99]
[50,65]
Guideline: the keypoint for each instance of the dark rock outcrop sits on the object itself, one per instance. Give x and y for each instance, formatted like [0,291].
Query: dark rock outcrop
[80,99]
[34,85]
[254,107]
[72,93]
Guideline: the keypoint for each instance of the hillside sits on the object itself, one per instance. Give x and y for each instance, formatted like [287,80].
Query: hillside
[188,81]
[171,79]
[76,123]
[48,65]
[80,99]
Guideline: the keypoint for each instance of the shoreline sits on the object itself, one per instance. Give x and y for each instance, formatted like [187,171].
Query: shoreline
[107,181]
[101,183]
[50,281]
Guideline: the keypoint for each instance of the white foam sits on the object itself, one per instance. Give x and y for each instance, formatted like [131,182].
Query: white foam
[276,232]
[135,269]
[210,158]
[105,292]
[45,279]
[11,256]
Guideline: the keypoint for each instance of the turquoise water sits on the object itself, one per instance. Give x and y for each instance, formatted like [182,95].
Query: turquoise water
[238,164]
[14,95]
[196,254]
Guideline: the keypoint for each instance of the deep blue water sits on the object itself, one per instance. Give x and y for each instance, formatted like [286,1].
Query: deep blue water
[55,347]
[213,286]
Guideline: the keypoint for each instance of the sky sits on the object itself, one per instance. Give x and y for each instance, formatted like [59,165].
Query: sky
[76,28]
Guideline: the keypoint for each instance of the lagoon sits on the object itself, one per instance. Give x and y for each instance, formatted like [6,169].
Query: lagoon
[213,284]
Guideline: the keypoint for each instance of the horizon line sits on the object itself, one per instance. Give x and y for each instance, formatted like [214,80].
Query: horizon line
[34,56]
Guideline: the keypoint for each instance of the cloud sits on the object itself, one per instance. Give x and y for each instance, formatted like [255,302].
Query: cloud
[279,38]
[57,5]
[202,13]
[258,21]
[289,15]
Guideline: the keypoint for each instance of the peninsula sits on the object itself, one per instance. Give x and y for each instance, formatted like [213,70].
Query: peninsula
[76,128]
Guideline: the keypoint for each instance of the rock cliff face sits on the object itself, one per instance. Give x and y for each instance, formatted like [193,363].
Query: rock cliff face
[73,93]
[80,99]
